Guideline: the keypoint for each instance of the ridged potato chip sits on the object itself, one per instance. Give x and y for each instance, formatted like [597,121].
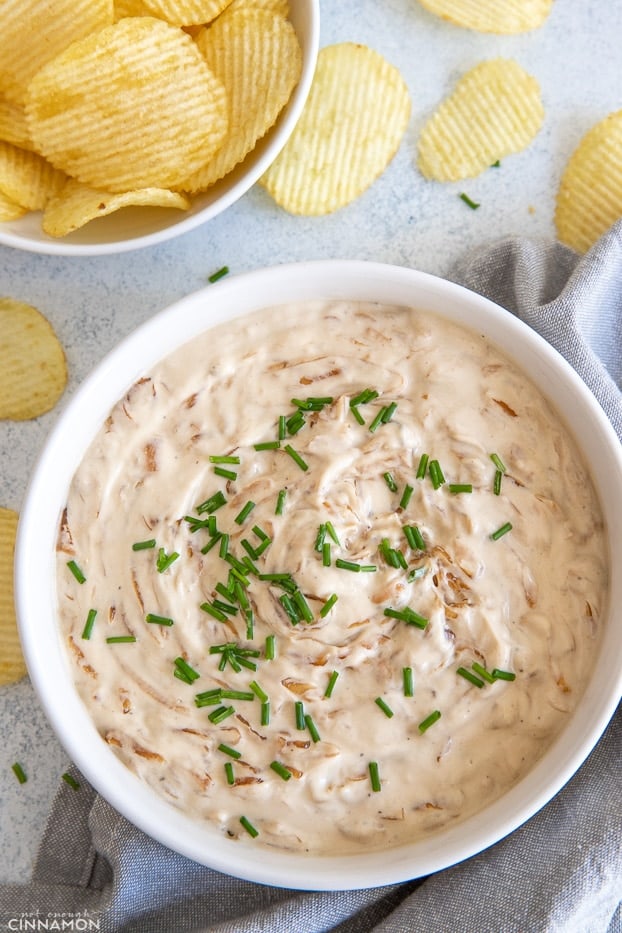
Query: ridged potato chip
[185,12]
[495,110]
[13,125]
[12,664]
[76,205]
[507,17]
[32,361]
[35,31]
[350,129]
[274,6]
[589,199]
[131,106]
[257,56]
[26,178]
[9,210]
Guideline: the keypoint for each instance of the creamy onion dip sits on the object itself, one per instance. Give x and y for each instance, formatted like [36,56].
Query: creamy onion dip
[299,636]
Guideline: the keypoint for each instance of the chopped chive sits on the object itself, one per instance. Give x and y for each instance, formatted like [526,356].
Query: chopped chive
[328,605]
[229,772]
[295,423]
[144,545]
[214,502]
[188,671]
[357,414]
[423,465]
[212,542]
[282,427]
[281,770]
[371,568]
[503,530]
[289,608]
[207,698]
[250,625]
[389,554]
[223,548]
[259,693]
[280,502]
[302,606]
[267,445]
[457,488]
[320,537]
[226,474]
[227,750]
[414,537]
[195,525]
[164,560]
[330,528]
[265,713]
[326,554]
[498,462]
[88,625]
[224,270]
[482,672]
[408,681]
[213,611]
[227,458]
[300,714]
[248,826]
[436,474]
[332,680]
[225,607]
[249,665]
[429,720]
[120,639]
[407,615]
[296,457]
[467,200]
[377,421]
[70,779]
[406,496]
[220,714]
[158,620]
[388,412]
[347,565]
[390,481]
[245,695]
[496,486]
[416,573]
[470,676]
[498,674]
[244,513]
[19,772]
[367,395]
[496,164]
[386,709]
[374,776]
[76,571]
[270,650]
[315,735]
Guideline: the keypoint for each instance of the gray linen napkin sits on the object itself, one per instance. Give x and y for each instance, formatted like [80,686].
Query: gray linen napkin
[561,872]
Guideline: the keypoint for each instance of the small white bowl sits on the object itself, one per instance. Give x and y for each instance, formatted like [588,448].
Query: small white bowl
[136,227]
[35,584]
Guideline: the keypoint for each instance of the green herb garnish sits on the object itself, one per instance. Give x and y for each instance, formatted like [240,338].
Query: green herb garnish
[88,625]
[386,709]
[332,680]
[281,770]
[315,735]
[224,270]
[164,560]
[408,681]
[467,200]
[429,721]
[374,776]
[248,826]
[470,676]
[70,779]
[76,571]
[144,545]
[19,772]
[503,530]
[154,619]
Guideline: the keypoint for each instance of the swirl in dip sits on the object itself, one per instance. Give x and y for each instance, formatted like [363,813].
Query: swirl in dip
[376,620]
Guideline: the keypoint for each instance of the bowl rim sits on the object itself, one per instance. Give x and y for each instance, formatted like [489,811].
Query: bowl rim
[46,493]
[307,25]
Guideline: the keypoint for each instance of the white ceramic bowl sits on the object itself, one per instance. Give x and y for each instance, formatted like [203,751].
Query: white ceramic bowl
[35,570]
[136,227]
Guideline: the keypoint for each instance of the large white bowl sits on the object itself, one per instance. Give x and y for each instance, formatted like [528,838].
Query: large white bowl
[35,570]
[136,227]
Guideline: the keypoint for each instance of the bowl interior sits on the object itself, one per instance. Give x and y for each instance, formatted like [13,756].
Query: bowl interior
[136,227]
[46,497]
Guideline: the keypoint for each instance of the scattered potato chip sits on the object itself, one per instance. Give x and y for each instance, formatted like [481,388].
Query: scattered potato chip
[350,129]
[257,56]
[13,125]
[9,210]
[26,178]
[507,17]
[35,31]
[281,7]
[123,8]
[12,664]
[76,205]
[32,361]
[131,106]
[185,12]
[589,199]
[494,110]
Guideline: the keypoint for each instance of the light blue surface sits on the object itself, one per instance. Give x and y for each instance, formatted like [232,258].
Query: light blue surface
[402,219]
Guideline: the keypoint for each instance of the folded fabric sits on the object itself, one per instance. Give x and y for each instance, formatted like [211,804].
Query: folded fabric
[561,872]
